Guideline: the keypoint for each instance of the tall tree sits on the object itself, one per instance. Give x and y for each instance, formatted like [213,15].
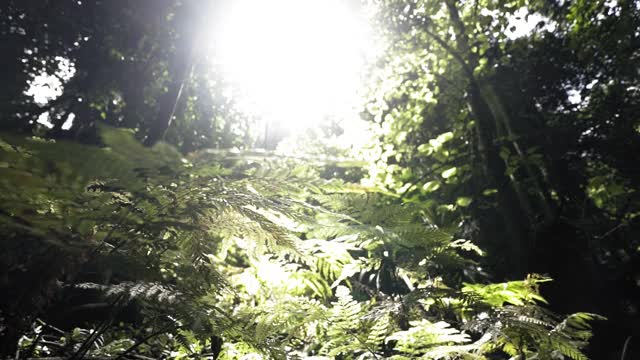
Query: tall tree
[487,125]
[136,65]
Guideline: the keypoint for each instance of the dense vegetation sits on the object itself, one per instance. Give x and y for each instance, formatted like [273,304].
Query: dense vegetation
[493,214]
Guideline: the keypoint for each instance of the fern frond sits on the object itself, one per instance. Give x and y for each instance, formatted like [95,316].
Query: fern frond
[424,336]
[137,290]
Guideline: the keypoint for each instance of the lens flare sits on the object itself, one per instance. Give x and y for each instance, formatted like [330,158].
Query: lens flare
[294,62]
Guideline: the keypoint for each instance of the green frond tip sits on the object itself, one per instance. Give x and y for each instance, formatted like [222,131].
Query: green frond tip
[513,292]
[466,245]
[425,336]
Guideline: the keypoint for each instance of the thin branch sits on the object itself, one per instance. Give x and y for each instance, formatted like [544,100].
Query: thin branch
[453,52]
[611,231]
[144,340]
[624,348]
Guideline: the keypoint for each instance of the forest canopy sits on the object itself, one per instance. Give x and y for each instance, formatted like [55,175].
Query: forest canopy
[319,179]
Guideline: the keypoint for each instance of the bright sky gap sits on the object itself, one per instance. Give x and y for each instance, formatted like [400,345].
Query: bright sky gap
[294,62]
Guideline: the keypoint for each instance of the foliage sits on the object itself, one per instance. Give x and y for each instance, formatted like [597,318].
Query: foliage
[496,154]
[146,233]
[230,260]
[512,116]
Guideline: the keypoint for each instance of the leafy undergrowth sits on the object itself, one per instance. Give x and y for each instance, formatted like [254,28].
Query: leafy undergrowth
[124,251]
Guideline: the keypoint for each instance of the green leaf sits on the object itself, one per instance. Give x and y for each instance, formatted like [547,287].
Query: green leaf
[450,172]
[443,138]
[431,186]
[463,201]
[489,192]
[425,149]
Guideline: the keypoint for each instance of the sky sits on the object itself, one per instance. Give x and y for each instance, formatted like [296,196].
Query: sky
[292,63]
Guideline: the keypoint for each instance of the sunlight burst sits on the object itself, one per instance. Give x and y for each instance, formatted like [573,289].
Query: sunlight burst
[295,62]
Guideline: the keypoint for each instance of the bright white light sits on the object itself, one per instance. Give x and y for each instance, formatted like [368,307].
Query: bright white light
[521,22]
[526,23]
[45,87]
[69,122]
[294,62]
[44,119]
